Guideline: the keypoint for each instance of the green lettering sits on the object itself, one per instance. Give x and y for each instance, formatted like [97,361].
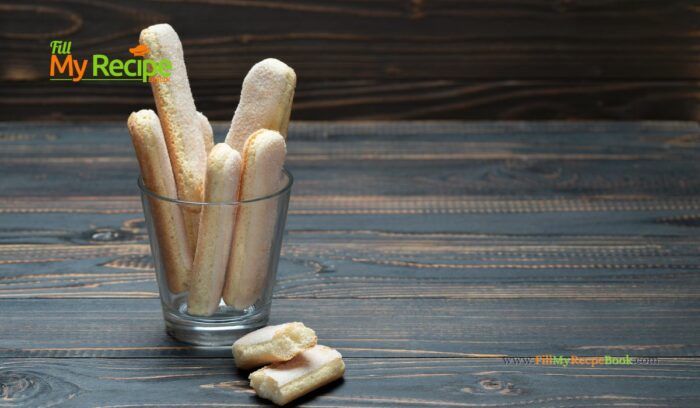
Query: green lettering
[115,67]
[149,69]
[97,65]
[55,46]
[127,71]
[165,67]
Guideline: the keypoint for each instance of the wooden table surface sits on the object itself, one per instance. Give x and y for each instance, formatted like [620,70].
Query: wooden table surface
[370,59]
[423,251]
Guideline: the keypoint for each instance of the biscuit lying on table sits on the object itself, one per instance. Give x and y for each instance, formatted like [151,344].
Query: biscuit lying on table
[309,370]
[272,344]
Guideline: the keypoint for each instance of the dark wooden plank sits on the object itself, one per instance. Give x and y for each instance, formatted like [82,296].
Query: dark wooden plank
[433,158]
[420,327]
[115,263]
[387,39]
[421,209]
[367,383]
[388,59]
[510,99]
[406,242]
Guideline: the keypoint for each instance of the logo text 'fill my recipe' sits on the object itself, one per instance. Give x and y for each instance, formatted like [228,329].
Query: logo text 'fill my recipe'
[64,67]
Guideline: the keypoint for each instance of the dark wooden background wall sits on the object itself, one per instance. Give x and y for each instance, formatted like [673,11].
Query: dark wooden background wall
[376,59]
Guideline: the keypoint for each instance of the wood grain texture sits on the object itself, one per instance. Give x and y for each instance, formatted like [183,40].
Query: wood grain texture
[403,382]
[499,160]
[423,251]
[371,264]
[372,328]
[358,100]
[508,211]
[386,59]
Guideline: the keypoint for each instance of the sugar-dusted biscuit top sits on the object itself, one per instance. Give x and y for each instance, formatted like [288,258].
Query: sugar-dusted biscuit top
[177,112]
[265,103]
[272,344]
[309,370]
[185,134]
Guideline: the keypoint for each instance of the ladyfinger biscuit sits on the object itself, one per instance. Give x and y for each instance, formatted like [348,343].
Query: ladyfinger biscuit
[207,132]
[265,103]
[311,369]
[179,120]
[272,344]
[263,158]
[157,174]
[215,230]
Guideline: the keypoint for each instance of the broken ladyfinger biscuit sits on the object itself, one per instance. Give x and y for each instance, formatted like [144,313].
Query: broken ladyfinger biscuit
[309,370]
[263,158]
[216,227]
[179,120]
[157,174]
[265,103]
[272,344]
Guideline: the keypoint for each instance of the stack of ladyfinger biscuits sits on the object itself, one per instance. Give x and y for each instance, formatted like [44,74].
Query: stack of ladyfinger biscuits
[297,365]
[215,251]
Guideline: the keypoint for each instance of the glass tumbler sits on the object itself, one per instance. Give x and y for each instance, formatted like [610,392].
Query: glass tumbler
[246,291]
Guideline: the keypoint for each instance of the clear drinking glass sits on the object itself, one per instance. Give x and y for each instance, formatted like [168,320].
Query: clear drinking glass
[226,323]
